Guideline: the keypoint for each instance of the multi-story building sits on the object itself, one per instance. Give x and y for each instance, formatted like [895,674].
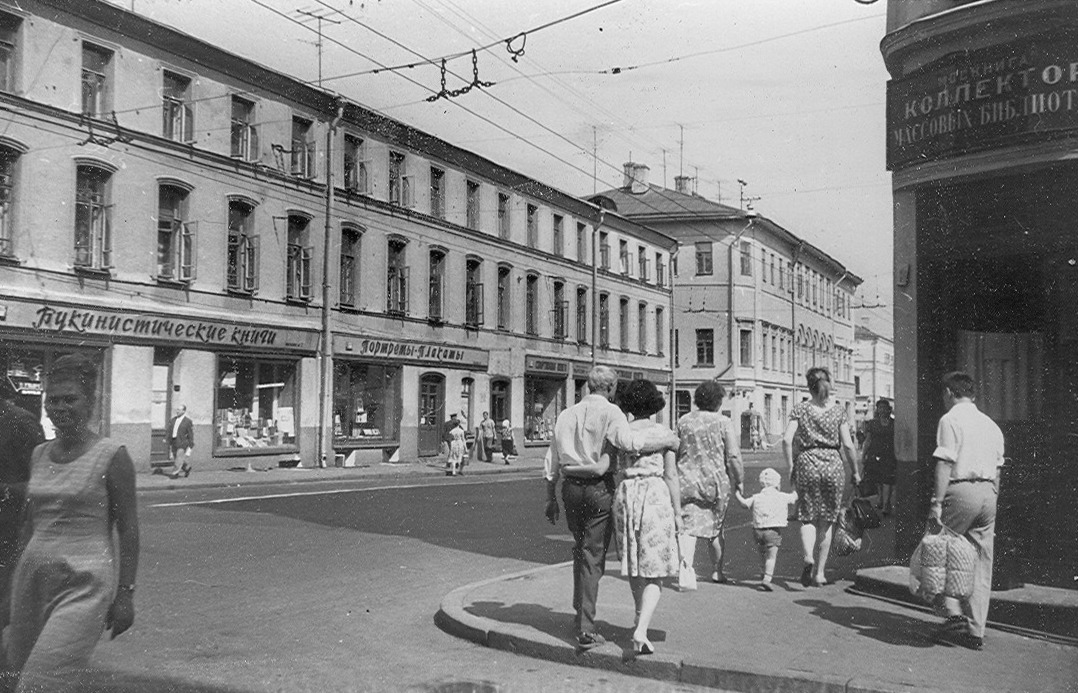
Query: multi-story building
[981,127]
[754,305]
[874,371]
[188,218]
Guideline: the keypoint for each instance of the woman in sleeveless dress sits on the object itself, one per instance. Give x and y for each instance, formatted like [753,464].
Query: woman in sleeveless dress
[647,510]
[456,450]
[878,455]
[66,589]
[818,432]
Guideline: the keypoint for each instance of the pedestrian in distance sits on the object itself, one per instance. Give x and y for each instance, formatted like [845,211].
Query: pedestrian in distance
[447,438]
[709,466]
[816,441]
[487,429]
[575,457]
[769,516]
[181,440]
[647,509]
[455,460]
[878,456]
[67,588]
[509,446]
[969,454]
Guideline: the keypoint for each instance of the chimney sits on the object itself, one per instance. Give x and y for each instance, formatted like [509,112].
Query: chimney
[636,178]
[683,184]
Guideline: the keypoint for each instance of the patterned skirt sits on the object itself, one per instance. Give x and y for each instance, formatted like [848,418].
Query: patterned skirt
[819,480]
[644,521]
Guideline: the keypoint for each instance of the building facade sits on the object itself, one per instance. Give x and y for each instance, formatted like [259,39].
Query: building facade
[754,306]
[178,214]
[981,140]
[874,370]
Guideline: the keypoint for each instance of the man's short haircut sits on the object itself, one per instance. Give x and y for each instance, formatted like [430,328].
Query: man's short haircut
[709,396]
[640,398]
[960,384]
[602,378]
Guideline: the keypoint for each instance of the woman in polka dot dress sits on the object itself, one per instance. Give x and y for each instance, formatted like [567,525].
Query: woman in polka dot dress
[818,434]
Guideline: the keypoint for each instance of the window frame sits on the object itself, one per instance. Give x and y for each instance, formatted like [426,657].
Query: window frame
[9,178]
[397,276]
[243,251]
[177,106]
[437,192]
[356,164]
[472,203]
[437,259]
[705,347]
[505,297]
[531,304]
[745,249]
[504,216]
[243,133]
[349,266]
[532,212]
[474,308]
[705,259]
[98,89]
[94,252]
[181,237]
[9,74]
[557,233]
[298,259]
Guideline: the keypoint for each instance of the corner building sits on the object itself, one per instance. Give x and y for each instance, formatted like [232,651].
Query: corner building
[164,212]
[982,121]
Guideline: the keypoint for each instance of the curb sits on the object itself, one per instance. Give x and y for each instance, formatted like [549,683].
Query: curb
[453,618]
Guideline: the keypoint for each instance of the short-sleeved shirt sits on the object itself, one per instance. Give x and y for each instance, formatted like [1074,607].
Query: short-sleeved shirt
[769,507]
[970,441]
[581,430]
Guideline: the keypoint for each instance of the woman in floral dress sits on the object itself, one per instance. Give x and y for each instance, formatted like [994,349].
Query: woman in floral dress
[709,465]
[816,437]
[647,509]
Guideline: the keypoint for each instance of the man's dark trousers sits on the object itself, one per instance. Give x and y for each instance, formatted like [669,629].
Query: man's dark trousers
[587,511]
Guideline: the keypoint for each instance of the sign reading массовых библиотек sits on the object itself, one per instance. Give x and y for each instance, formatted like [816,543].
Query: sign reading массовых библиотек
[984,99]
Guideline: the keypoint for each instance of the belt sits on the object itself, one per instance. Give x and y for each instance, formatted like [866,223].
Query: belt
[972,480]
[584,480]
[822,447]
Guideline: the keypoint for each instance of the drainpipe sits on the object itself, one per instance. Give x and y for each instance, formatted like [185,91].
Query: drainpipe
[670,340]
[325,424]
[838,285]
[730,304]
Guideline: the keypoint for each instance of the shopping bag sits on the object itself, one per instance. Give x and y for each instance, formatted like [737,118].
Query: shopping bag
[686,577]
[864,514]
[961,563]
[847,536]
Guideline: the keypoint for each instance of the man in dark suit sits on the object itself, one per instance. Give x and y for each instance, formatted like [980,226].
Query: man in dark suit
[181,439]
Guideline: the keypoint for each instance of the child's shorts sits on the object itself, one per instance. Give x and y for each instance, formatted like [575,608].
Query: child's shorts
[766,537]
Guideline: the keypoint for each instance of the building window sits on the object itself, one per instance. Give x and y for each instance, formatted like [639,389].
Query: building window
[177,111]
[93,218]
[257,404]
[175,236]
[436,286]
[582,315]
[244,133]
[624,257]
[581,243]
[366,402]
[764,353]
[557,242]
[746,347]
[356,164]
[397,277]
[300,252]
[9,37]
[642,328]
[400,184]
[9,160]
[473,293]
[682,403]
[772,269]
[642,261]
[349,282]
[604,252]
[533,226]
[746,259]
[437,192]
[242,248]
[472,204]
[505,291]
[783,365]
[531,305]
[96,66]
[503,215]
[660,331]
[623,324]
[703,258]
[782,273]
[604,321]
[660,270]
[774,352]
[561,312]
[677,348]
[705,347]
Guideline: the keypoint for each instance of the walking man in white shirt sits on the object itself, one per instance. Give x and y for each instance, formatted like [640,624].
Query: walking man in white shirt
[969,453]
[588,488]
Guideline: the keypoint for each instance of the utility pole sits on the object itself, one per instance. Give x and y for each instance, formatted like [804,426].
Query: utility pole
[320,18]
[325,354]
[681,154]
[594,160]
[595,284]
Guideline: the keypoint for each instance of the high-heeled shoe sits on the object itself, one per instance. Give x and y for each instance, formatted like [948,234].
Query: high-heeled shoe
[643,647]
[806,574]
[186,469]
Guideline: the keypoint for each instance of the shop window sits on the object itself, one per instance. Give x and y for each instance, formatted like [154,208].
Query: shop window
[349,282]
[660,331]
[96,78]
[503,215]
[400,184]
[366,402]
[300,251]
[604,321]
[581,243]
[178,113]
[9,45]
[703,258]
[746,347]
[244,135]
[544,398]
[93,218]
[256,404]
[746,259]
[505,291]
[623,323]
[558,242]
[9,159]
[472,204]
[175,236]
[683,400]
[356,165]
[531,305]
[642,328]
[561,312]
[437,192]
[473,293]
[243,248]
[397,277]
[582,315]
[436,286]
[533,226]
[705,347]
[303,148]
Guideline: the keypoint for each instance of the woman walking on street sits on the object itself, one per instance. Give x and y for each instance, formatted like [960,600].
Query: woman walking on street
[65,591]
[816,437]
[647,509]
[878,455]
[709,466]
[455,461]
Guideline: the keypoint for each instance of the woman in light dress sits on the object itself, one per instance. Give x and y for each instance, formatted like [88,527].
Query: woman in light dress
[456,450]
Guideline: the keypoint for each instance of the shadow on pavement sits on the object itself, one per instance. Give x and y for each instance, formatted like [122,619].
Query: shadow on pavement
[554,623]
[886,627]
[107,681]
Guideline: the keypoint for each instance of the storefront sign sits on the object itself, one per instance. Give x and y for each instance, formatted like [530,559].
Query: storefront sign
[541,366]
[580,370]
[984,99]
[61,320]
[381,350]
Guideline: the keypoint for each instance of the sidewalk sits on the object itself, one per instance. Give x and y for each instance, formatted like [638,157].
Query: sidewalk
[530,459]
[736,638]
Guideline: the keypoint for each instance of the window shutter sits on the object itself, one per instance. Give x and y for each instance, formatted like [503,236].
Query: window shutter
[310,159]
[406,191]
[480,304]
[253,151]
[106,237]
[305,274]
[404,289]
[188,123]
[187,250]
[250,267]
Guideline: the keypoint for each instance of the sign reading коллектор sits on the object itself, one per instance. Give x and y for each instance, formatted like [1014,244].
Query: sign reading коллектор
[996,97]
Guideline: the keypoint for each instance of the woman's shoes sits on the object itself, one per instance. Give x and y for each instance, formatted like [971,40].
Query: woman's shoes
[643,647]
[719,578]
[806,574]
[186,469]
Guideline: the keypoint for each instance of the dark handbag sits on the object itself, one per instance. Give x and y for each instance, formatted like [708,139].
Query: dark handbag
[863,514]
[847,536]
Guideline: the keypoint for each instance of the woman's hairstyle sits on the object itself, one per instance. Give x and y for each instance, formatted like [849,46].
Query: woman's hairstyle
[960,384]
[769,477]
[640,398]
[815,376]
[74,369]
[884,403]
[709,396]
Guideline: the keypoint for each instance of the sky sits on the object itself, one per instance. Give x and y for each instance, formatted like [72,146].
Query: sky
[786,95]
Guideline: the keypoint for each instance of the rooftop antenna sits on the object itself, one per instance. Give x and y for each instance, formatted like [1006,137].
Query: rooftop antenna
[320,18]
[664,168]
[746,202]
[681,142]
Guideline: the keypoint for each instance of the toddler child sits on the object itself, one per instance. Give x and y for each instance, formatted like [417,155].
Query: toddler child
[769,513]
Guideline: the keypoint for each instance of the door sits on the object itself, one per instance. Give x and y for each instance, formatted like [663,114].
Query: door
[160,406]
[499,401]
[431,413]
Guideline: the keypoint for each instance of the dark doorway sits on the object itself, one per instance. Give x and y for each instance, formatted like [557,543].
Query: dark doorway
[431,413]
